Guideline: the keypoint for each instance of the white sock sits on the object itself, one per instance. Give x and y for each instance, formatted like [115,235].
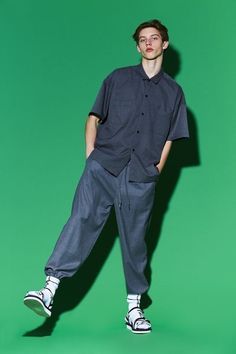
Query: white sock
[50,287]
[133,301]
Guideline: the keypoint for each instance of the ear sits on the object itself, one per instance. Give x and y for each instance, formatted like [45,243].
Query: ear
[138,49]
[165,45]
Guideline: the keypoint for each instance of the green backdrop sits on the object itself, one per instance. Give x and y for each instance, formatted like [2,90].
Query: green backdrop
[54,55]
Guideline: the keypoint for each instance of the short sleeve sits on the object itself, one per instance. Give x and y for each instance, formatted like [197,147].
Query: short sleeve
[179,122]
[101,104]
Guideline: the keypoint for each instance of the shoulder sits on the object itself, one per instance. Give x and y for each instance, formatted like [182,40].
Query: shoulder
[171,83]
[122,72]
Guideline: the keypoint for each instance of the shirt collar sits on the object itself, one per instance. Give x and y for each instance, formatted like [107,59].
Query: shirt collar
[155,79]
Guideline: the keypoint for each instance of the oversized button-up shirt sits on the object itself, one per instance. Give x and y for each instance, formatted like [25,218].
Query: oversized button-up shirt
[137,116]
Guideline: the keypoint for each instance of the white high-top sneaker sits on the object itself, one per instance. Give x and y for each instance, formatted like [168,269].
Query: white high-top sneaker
[41,301]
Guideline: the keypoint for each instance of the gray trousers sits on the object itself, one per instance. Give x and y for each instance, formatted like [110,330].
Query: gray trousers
[97,192]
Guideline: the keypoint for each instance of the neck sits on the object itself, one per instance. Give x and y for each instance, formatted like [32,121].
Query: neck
[152,67]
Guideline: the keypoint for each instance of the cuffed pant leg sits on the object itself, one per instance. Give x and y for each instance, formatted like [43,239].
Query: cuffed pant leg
[91,207]
[133,210]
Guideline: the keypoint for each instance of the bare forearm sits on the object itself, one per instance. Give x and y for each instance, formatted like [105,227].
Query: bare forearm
[164,155]
[90,133]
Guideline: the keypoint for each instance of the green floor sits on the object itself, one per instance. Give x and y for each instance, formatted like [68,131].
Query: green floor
[188,315]
[94,328]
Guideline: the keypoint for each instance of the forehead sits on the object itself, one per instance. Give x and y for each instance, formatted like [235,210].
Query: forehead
[148,32]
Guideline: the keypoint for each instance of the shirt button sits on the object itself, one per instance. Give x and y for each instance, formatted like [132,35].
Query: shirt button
[133,149]
[142,114]
[146,95]
[137,131]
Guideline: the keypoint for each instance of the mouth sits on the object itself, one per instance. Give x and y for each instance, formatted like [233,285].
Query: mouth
[149,50]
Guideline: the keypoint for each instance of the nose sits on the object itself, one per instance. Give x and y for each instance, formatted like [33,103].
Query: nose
[148,41]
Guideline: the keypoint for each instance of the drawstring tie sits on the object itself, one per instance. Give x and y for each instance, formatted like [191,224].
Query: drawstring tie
[126,190]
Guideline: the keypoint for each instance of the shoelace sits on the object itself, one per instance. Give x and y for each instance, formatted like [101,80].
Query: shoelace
[50,299]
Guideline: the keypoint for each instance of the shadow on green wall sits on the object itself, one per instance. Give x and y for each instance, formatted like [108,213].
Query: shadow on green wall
[184,153]
[72,290]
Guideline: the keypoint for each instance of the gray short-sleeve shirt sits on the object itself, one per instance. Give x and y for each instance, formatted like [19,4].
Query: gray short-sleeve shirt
[137,116]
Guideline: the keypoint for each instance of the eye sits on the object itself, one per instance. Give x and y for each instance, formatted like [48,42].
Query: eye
[142,40]
[155,38]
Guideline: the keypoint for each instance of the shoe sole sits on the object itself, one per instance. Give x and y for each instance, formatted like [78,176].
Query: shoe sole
[36,305]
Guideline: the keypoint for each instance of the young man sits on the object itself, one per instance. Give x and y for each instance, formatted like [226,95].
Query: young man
[137,114]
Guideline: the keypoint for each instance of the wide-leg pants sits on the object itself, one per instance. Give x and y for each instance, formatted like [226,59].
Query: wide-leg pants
[97,192]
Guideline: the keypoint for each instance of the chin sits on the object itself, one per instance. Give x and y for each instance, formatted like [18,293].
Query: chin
[153,57]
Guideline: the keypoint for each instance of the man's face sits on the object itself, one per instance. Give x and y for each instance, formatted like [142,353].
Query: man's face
[151,45]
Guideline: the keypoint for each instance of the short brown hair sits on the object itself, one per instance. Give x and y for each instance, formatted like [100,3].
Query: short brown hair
[152,23]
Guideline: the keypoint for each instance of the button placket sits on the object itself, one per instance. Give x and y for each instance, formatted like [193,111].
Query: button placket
[146,88]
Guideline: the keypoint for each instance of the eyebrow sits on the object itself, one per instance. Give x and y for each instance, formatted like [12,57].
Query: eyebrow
[155,34]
